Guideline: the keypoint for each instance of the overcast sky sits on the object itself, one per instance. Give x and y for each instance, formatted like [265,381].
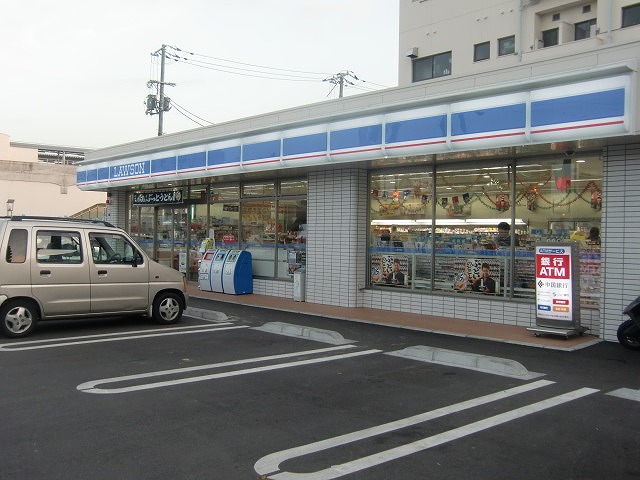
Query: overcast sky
[75,73]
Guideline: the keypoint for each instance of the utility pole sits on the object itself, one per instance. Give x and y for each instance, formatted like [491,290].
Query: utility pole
[160,104]
[161,112]
[341,79]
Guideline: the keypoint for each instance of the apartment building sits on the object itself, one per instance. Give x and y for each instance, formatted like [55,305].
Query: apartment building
[40,179]
[522,113]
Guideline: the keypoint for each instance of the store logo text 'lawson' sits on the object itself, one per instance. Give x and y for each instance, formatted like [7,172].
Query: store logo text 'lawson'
[128,170]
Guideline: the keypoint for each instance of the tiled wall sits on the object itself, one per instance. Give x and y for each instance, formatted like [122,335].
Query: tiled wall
[117,209]
[620,234]
[337,242]
[273,288]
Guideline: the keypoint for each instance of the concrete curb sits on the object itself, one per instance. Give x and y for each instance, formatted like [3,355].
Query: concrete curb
[471,361]
[316,334]
[204,314]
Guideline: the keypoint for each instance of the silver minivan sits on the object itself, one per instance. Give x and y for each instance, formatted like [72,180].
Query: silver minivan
[55,268]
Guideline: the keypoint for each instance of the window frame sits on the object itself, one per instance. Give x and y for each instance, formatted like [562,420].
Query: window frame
[58,254]
[103,241]
[633,10]
[432,62]
[501,43]
[578,27]
[476,50]
[545,34]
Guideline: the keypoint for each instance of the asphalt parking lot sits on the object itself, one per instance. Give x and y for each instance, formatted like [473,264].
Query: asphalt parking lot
[262,394]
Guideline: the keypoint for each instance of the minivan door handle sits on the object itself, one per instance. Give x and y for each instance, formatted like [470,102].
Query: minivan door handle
[102,272]
[45,273]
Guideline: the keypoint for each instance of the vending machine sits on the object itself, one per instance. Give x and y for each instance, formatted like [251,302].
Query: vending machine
[216,269]
[237,276]
[204,270]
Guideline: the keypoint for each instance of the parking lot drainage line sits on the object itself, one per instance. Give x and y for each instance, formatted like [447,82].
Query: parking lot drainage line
[482,363]
[299,331]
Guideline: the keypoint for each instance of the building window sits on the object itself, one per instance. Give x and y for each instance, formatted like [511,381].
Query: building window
[586,8]
[481,51]
[583,29]
[555,17]
[631,15]
[550,37]
[437,229]
[432,67]
[506,45]
[273,226]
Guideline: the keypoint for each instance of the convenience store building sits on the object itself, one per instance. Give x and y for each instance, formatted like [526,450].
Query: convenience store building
[544,138]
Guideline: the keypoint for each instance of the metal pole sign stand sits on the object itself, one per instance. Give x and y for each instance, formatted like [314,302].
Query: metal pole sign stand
[557,290]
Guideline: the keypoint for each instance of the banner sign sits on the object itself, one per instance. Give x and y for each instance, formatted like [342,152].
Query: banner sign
[157,198]
[557,281]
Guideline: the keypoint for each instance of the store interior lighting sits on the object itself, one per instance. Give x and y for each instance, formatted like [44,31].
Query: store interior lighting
[441,222]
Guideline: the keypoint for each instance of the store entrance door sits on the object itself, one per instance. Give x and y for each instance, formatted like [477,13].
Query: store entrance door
[172,233]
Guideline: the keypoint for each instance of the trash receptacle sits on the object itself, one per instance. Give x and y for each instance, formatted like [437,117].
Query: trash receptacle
[237,277]
[299,286]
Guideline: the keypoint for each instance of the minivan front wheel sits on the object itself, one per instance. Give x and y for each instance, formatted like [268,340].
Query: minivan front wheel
[167,308]
[18,318]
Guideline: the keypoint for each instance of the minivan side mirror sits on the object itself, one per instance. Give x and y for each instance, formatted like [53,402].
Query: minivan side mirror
[137,260]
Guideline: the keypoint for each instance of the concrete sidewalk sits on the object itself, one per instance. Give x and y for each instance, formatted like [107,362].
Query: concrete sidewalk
[442,325]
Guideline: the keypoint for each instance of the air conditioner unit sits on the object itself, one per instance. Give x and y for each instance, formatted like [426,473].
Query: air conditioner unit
[412,52]
[593,31]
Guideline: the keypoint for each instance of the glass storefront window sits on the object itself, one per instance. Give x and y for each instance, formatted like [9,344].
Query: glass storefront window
[470,203]
[272,227]
[293,187]
[197,192]
[172,244]
[225,192]
[258,235]
[561,200]
[487,222]
[141,227]
[400,233]
[261,189]
[291,238]
[225,220]
[197,233]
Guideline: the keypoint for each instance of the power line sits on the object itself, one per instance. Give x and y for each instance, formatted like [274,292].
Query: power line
[158,103]
[185,115]
[178,106]
[249,64]
[244,71]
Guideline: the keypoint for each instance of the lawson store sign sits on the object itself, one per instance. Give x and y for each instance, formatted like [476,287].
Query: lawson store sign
[590,109]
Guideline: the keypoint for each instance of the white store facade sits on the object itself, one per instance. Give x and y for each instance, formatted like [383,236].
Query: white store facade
[420,174]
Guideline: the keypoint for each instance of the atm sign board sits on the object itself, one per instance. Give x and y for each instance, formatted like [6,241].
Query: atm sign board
[555,283]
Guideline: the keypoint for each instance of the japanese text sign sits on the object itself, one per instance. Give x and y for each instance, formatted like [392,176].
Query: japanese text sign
[554,283]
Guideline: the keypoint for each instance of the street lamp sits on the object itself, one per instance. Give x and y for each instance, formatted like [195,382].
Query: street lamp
[10,207]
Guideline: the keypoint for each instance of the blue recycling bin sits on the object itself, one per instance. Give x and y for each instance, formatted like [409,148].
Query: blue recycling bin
[237,273]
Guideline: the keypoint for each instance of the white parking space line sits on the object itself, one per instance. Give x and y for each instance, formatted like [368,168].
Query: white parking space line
[626,393]
[90,387]
[114,337]
[270,464]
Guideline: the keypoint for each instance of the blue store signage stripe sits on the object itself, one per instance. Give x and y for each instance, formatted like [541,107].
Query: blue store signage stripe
[546,119]
[489,120]
[261,150]
[578,108]
[416,129]
[316,142]
[356,137]
[224,156]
